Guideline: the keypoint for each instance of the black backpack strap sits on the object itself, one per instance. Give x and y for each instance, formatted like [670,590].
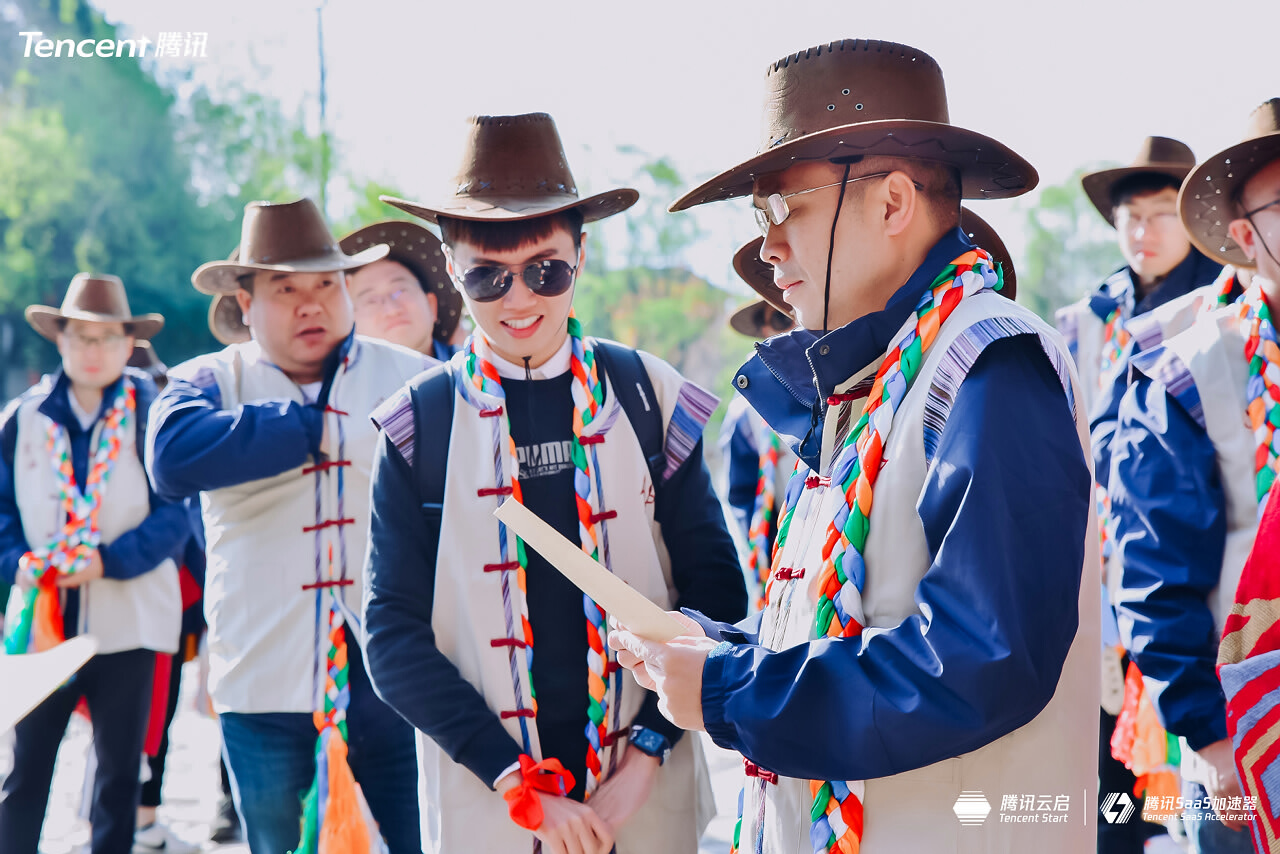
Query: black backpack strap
[626,371]
[433,410]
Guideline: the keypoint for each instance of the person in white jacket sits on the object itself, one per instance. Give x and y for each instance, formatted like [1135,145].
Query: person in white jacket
[274,435]
[92,550]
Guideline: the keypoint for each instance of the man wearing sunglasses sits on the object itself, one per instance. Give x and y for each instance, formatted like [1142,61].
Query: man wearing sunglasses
[931,625]
[1193,461]
[273,433]
[528,731]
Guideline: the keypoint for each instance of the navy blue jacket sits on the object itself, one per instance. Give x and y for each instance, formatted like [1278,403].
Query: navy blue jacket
[999,605]
[1194,271]
[1169,510]
[740,449]
[161,535]
[198,445]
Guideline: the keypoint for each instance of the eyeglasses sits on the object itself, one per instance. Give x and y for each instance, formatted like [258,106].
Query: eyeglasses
[82,342]
[1125,220]
[548,278]
[378,302]
[776,211]
[1270,204]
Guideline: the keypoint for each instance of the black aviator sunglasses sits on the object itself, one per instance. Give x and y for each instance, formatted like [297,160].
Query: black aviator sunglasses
[489,283]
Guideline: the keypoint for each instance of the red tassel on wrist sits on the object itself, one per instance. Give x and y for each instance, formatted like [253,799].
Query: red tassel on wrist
[523,802]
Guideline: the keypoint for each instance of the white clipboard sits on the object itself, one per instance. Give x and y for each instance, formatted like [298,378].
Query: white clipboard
[30,678]
[626,605]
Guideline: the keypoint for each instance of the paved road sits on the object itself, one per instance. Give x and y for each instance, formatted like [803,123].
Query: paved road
[191,786]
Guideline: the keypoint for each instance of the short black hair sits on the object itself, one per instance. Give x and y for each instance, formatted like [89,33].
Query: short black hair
[246,282]
[1141,184]
[505,235]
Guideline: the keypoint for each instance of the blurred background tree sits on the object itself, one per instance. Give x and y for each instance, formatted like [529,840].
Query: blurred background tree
[1070,249]
[105,167]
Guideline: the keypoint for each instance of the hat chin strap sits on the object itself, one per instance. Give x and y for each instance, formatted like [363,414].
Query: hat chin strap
[831,250]
[815,415]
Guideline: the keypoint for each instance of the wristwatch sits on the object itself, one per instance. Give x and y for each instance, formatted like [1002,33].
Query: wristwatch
[651,742]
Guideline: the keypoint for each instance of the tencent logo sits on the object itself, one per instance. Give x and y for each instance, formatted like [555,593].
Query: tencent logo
[1117,808]
[971,808]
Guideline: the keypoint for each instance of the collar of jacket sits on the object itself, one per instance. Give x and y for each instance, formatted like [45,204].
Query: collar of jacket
[789,373]
[337,356]
[1193,271]
[56,405]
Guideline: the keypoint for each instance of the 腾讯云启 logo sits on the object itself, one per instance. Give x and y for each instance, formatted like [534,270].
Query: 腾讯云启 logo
[971,808]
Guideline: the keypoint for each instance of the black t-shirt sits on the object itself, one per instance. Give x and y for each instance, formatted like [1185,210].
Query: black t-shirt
[541,417]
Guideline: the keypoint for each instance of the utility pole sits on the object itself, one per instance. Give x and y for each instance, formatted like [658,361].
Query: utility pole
[324,130]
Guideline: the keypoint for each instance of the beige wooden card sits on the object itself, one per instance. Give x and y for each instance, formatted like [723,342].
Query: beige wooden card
[626,605]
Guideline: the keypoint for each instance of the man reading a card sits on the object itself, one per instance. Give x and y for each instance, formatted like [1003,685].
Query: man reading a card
[931,626]
[528,731]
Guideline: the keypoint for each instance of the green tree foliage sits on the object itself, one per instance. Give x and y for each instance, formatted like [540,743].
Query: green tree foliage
[1070,248]
[94,180]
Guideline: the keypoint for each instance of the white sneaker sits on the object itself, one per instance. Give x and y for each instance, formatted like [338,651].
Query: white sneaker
[156,837]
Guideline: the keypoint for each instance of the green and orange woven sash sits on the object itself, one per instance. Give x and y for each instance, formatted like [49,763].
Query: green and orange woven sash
[762,514]
[1263,391]
[39,625]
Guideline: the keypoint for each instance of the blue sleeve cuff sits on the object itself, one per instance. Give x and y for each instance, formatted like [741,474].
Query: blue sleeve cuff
[714,695]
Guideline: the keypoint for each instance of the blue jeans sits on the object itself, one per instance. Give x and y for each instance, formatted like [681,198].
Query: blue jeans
[272,762]
[1206,833]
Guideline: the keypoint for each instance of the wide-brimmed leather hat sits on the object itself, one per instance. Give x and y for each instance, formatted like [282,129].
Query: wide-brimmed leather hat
[97,298]
[281,238]
[419,250]
[226,320]
[1158,155]
[144,358]
[759,275]
[760,319]
[861,97]
[1208,200]
[514,168]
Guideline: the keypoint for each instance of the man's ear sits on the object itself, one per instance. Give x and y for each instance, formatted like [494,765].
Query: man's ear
[901,202]
[582,250]
[244,299]
[1241,231]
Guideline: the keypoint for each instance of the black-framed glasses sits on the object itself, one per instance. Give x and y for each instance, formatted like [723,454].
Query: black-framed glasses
[776,210]
[548,278]
[1269,204]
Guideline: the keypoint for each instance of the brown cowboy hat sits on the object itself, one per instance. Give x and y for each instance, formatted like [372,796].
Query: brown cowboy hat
[281,238]
[759,275]
[514,168]
[761,319]
[419,250]
[144,358]
[860,97]
[98,298]
[1208,200]
[1158,155]
[226,321]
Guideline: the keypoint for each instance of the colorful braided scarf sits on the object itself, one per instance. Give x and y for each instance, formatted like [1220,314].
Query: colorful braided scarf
[39,625]
[758,563]
[836,813]
[588,396]
[335,816]
[1263,391]
[1222,288]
